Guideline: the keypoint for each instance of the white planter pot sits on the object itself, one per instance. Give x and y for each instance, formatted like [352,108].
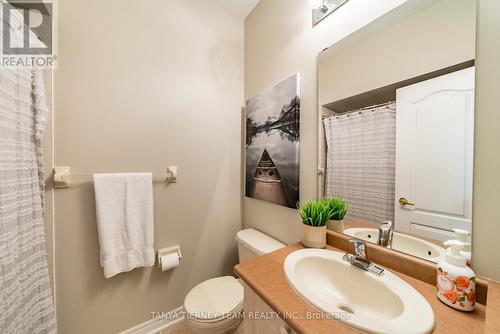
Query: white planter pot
[335,226]
[314,236]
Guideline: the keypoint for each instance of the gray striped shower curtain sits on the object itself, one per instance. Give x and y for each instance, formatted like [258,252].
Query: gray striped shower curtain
[26,305]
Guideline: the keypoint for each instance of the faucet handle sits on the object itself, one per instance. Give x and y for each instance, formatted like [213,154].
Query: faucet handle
[359,247]
[387,225]
[385,233]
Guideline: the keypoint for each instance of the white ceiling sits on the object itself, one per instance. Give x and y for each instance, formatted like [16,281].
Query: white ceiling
[240,8]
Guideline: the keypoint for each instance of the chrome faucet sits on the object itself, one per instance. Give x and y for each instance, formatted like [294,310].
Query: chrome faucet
[359,259]
[385,233]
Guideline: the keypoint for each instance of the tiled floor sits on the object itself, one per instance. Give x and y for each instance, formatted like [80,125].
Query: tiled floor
[182,328]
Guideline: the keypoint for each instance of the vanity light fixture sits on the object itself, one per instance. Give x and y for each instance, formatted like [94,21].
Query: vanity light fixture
[323,8]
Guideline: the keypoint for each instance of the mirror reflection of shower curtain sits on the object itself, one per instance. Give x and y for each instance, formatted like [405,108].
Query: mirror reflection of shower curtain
[360,167]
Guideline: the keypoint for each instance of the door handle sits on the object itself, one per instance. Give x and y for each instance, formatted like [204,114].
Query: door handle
[403,201]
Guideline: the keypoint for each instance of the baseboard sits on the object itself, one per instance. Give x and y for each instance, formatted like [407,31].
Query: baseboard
[158,323]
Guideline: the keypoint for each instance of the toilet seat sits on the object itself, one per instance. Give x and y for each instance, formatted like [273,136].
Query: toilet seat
[215,300]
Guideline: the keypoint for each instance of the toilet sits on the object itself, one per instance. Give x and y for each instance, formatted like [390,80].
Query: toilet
[215,306]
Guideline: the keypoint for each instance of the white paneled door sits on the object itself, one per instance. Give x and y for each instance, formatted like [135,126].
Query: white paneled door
[434,155]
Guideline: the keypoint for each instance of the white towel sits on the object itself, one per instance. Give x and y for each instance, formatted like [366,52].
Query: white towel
[124,207]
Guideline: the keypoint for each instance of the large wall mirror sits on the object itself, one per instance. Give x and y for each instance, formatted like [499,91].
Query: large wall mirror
[396,139]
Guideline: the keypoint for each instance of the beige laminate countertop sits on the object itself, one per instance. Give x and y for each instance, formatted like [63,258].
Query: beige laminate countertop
[493,309]
[265,275]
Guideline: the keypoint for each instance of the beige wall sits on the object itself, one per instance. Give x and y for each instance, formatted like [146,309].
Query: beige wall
[486,213]
[142,85]
[280,41]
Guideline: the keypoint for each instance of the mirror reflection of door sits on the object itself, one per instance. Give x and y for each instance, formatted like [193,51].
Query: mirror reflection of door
[434,155]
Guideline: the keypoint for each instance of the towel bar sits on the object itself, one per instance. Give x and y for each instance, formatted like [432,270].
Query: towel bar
[62,176]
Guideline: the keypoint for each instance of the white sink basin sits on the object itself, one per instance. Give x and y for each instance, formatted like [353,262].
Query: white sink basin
[402,242]
[376,304]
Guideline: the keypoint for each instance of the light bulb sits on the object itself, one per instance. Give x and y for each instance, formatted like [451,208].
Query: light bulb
[315,4]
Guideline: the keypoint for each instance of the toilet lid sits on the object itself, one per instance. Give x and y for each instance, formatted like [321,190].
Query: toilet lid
[214,299]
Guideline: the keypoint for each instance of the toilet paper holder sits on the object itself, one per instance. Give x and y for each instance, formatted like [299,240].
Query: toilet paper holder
[168,250]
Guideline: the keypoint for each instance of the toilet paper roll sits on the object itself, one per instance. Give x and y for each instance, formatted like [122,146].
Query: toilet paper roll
[169,261]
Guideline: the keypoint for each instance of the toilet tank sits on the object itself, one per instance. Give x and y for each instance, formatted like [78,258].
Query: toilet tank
[252,243]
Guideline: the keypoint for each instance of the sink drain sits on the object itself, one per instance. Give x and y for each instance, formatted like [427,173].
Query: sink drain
[346,309]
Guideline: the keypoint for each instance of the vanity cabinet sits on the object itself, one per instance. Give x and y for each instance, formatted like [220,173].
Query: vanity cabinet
[260,317]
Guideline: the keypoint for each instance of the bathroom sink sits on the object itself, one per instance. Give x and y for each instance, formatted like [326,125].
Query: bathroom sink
[402,242]
[376,304]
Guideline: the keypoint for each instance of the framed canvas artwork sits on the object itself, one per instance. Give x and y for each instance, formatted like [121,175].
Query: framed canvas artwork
[272,144]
